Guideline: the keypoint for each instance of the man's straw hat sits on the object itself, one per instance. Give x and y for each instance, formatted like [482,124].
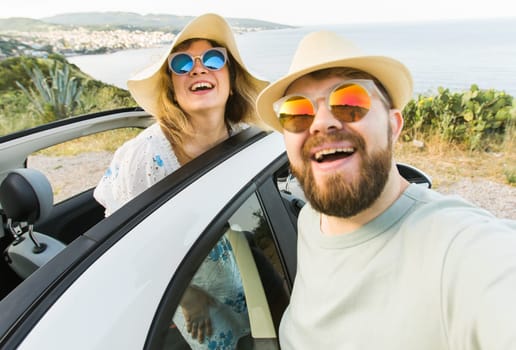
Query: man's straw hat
[145,85]
[320,50]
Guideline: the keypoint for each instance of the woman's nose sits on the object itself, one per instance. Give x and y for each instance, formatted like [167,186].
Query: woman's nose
[198,67]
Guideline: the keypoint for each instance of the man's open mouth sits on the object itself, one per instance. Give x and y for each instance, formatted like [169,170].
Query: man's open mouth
[333,154]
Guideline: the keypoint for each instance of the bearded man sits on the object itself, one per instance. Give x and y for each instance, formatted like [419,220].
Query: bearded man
[382,264]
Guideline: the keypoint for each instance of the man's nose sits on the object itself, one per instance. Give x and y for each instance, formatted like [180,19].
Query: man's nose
[324,120]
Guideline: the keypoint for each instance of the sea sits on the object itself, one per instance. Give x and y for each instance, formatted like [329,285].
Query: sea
[449,54]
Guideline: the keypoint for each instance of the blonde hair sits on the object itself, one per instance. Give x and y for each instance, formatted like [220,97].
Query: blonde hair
[239,106]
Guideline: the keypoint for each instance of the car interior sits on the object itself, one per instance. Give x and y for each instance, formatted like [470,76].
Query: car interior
[26,198]
[31,231]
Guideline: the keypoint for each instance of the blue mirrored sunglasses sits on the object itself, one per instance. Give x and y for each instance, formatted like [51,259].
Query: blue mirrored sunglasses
[213,59]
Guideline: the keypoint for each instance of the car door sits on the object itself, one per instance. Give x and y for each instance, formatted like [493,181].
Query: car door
[105,288]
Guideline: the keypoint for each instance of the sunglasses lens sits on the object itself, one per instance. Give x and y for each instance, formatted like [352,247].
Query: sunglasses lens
[213,59]
[296,114]
[349,102]
[181,64]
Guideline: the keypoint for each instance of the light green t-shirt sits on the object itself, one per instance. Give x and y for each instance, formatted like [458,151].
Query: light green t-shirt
[432,272]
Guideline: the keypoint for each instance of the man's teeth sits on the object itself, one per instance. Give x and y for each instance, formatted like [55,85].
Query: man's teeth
[319,156]
[201,86]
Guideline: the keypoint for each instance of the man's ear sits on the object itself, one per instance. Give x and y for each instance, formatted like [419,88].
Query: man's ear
[396,121]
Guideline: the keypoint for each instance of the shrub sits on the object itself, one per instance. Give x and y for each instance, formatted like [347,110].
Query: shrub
[20,110]
[474,118]
[16,113]
[54,97]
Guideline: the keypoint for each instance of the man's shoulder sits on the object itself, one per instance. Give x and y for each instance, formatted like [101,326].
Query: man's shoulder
[433,201]
[450,213]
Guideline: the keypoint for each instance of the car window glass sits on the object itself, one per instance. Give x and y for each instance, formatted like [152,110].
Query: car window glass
[215,295]
[222,283]
[77,165]
[251,220]
[288,183]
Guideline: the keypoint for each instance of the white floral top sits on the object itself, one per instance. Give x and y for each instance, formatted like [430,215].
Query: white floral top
[137,165]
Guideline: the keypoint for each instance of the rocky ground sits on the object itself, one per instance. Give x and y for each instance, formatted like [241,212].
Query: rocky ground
[495,197]
[498,198]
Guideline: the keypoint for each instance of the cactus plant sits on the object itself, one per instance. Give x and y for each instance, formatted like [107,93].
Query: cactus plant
[55,97]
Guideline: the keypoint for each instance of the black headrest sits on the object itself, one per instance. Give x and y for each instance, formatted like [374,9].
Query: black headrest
[26,195]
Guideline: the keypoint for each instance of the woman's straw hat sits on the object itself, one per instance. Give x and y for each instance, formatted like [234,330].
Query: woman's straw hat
[145,86]
[320,50]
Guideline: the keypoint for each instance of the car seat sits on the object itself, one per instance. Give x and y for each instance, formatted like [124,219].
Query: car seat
[26,198]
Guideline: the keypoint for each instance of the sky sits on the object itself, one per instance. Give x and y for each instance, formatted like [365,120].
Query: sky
[290,12]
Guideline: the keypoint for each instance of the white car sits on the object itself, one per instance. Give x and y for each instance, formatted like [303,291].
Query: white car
[115,282]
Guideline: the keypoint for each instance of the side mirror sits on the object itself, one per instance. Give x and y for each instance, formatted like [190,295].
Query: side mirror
[414,175]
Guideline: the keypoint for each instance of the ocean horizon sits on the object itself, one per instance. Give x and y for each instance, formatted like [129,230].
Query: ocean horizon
[449,54]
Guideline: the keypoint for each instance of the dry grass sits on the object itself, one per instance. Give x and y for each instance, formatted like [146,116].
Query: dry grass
[103,141]
[447,164]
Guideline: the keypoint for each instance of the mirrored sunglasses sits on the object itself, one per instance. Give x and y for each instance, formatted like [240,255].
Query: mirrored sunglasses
[349,101]
[213,59]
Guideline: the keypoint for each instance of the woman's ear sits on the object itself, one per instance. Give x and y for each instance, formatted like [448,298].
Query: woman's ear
[396,122]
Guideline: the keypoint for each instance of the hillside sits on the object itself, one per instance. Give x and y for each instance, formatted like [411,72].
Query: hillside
[146,22]
[27,24]
[121,20]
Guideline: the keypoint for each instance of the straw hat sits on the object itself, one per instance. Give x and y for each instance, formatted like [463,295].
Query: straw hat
[145,87]
[320,50]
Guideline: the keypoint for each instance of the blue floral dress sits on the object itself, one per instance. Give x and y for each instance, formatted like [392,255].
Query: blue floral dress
[138,164]
[219,276]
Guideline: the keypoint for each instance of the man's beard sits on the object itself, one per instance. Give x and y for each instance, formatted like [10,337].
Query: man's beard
[340,195]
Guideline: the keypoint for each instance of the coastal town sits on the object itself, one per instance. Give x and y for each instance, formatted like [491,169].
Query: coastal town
[81,41]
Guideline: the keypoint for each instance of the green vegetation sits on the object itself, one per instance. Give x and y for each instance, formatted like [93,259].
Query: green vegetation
[34,91]
[56,97]
[477,119]
[470,134]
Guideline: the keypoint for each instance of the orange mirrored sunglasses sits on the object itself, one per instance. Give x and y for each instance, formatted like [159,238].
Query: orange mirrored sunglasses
[349,101]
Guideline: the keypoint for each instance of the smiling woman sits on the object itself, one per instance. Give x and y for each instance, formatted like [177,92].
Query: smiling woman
[200,93]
